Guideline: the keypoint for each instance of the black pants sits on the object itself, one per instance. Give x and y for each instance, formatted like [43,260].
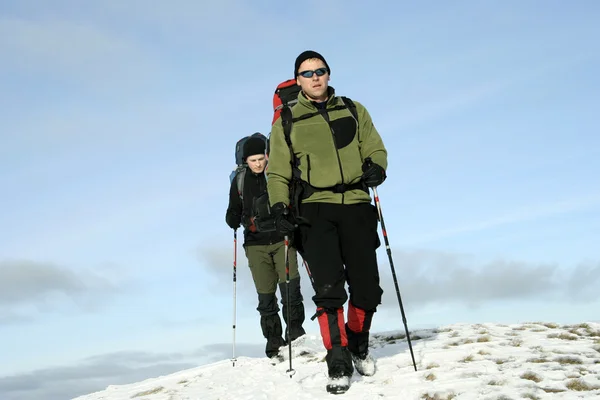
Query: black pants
[339,246]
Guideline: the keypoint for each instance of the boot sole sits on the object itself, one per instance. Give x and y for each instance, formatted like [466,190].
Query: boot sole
[337,389]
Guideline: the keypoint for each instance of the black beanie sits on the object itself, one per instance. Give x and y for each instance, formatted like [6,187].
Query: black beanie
[253,146]
[307,55]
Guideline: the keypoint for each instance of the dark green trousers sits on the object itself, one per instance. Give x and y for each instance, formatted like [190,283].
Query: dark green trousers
[267,264]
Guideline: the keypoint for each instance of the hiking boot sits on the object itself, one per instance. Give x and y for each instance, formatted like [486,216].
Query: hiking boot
[364,363]
[296,332]
[338,384]
[273,345]
[271,328]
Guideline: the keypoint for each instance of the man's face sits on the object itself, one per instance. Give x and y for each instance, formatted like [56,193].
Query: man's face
[315,87]
[257,163]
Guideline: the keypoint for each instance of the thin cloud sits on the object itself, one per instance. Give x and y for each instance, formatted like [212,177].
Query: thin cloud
[218,262]
[97,372]
[429,277]
[533,212]
[11,318]
[30,285]
[461,97]
[72,49]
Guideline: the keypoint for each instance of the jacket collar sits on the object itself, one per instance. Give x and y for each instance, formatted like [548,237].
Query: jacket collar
[331,99]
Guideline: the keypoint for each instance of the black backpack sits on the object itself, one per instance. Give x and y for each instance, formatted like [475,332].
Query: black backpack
[238,172]
[260,206]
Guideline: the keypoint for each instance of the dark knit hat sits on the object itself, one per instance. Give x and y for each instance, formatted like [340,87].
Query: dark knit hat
[253,146]
[307,55]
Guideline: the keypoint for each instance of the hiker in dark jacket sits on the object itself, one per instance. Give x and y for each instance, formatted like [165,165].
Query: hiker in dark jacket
[265,251]
[338,158]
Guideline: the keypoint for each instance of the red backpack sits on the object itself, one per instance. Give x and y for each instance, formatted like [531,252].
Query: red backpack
[286,94]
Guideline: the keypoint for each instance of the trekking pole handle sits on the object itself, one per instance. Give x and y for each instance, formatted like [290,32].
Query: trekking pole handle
[368,163]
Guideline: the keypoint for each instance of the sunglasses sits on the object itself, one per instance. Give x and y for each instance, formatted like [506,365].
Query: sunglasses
[309,74]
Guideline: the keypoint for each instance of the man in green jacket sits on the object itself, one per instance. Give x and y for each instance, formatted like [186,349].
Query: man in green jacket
[335,156]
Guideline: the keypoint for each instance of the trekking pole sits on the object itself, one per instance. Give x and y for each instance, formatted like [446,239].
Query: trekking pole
[233,359]
[308,271]
[289,311]
[389,253]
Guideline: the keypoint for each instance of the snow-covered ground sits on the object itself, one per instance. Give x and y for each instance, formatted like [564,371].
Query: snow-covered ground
[461,361]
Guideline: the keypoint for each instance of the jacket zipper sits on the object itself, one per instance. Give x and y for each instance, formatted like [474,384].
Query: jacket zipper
[308,168]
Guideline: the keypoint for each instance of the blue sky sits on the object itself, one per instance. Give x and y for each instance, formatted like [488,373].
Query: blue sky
[117,132]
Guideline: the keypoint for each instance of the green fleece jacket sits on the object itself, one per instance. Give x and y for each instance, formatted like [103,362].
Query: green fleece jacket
[330,153]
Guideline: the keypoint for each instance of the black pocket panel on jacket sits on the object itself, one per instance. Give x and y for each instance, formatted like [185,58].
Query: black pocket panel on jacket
[345,130]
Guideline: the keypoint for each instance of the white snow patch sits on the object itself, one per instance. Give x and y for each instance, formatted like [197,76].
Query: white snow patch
[459,361]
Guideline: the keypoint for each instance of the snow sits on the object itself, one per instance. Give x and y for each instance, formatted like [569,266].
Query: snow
[460,361]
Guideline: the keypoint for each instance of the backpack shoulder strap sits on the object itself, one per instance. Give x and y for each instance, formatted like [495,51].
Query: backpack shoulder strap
[351,106]
[286,122]
[287,118]
[240,183]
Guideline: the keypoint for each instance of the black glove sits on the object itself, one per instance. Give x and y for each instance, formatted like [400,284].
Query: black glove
[248,223]
[283,223]
[373,174]
[233,221]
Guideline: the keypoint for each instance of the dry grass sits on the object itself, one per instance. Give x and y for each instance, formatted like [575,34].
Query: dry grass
[500,361]
[580,385]
[454,334]
[532,376]
[584,371]
[149,392]
[516,342]
[568,360]
[437,396]
[181,382]
[432,365]
[496,383]
[430,377]
[563,336]
[530,396]
[468,341]
[520,328]
[483,339]
[468,358]
[484,352]
[540,360]
[582,326]
[553,390]
[398,336]
[549,325]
